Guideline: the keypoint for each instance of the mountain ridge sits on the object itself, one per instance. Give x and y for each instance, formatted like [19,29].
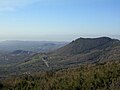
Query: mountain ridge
[84,44]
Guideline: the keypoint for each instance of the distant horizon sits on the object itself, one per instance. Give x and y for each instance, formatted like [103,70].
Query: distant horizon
[58,20]
[52,40]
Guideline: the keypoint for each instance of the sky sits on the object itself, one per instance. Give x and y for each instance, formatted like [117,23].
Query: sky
[58,20]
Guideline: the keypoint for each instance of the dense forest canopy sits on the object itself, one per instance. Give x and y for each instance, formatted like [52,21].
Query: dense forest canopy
[103,76]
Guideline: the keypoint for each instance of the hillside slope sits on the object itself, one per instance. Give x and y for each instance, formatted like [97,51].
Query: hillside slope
[104,76]
[86,51]
[80,51]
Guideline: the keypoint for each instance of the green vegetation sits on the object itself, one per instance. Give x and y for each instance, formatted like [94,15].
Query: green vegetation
[33,60]
[105,76]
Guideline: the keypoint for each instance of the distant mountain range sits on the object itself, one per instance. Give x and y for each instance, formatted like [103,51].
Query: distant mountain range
[79,51]
[34,46]
[21,52]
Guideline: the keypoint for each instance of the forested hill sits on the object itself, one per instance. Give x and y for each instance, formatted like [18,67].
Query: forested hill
[82,45]
[105,76]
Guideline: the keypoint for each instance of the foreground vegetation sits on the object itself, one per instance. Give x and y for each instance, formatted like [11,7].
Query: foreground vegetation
[105,76]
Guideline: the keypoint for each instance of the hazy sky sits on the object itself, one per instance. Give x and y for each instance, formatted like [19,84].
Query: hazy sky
[58,19]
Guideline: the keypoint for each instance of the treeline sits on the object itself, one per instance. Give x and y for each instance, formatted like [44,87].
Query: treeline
[105,76]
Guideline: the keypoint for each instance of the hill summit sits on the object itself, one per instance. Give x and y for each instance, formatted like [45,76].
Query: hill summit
[87,51]
[83,45]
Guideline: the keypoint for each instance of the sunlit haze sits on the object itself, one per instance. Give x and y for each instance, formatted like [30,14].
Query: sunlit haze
[58,20]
